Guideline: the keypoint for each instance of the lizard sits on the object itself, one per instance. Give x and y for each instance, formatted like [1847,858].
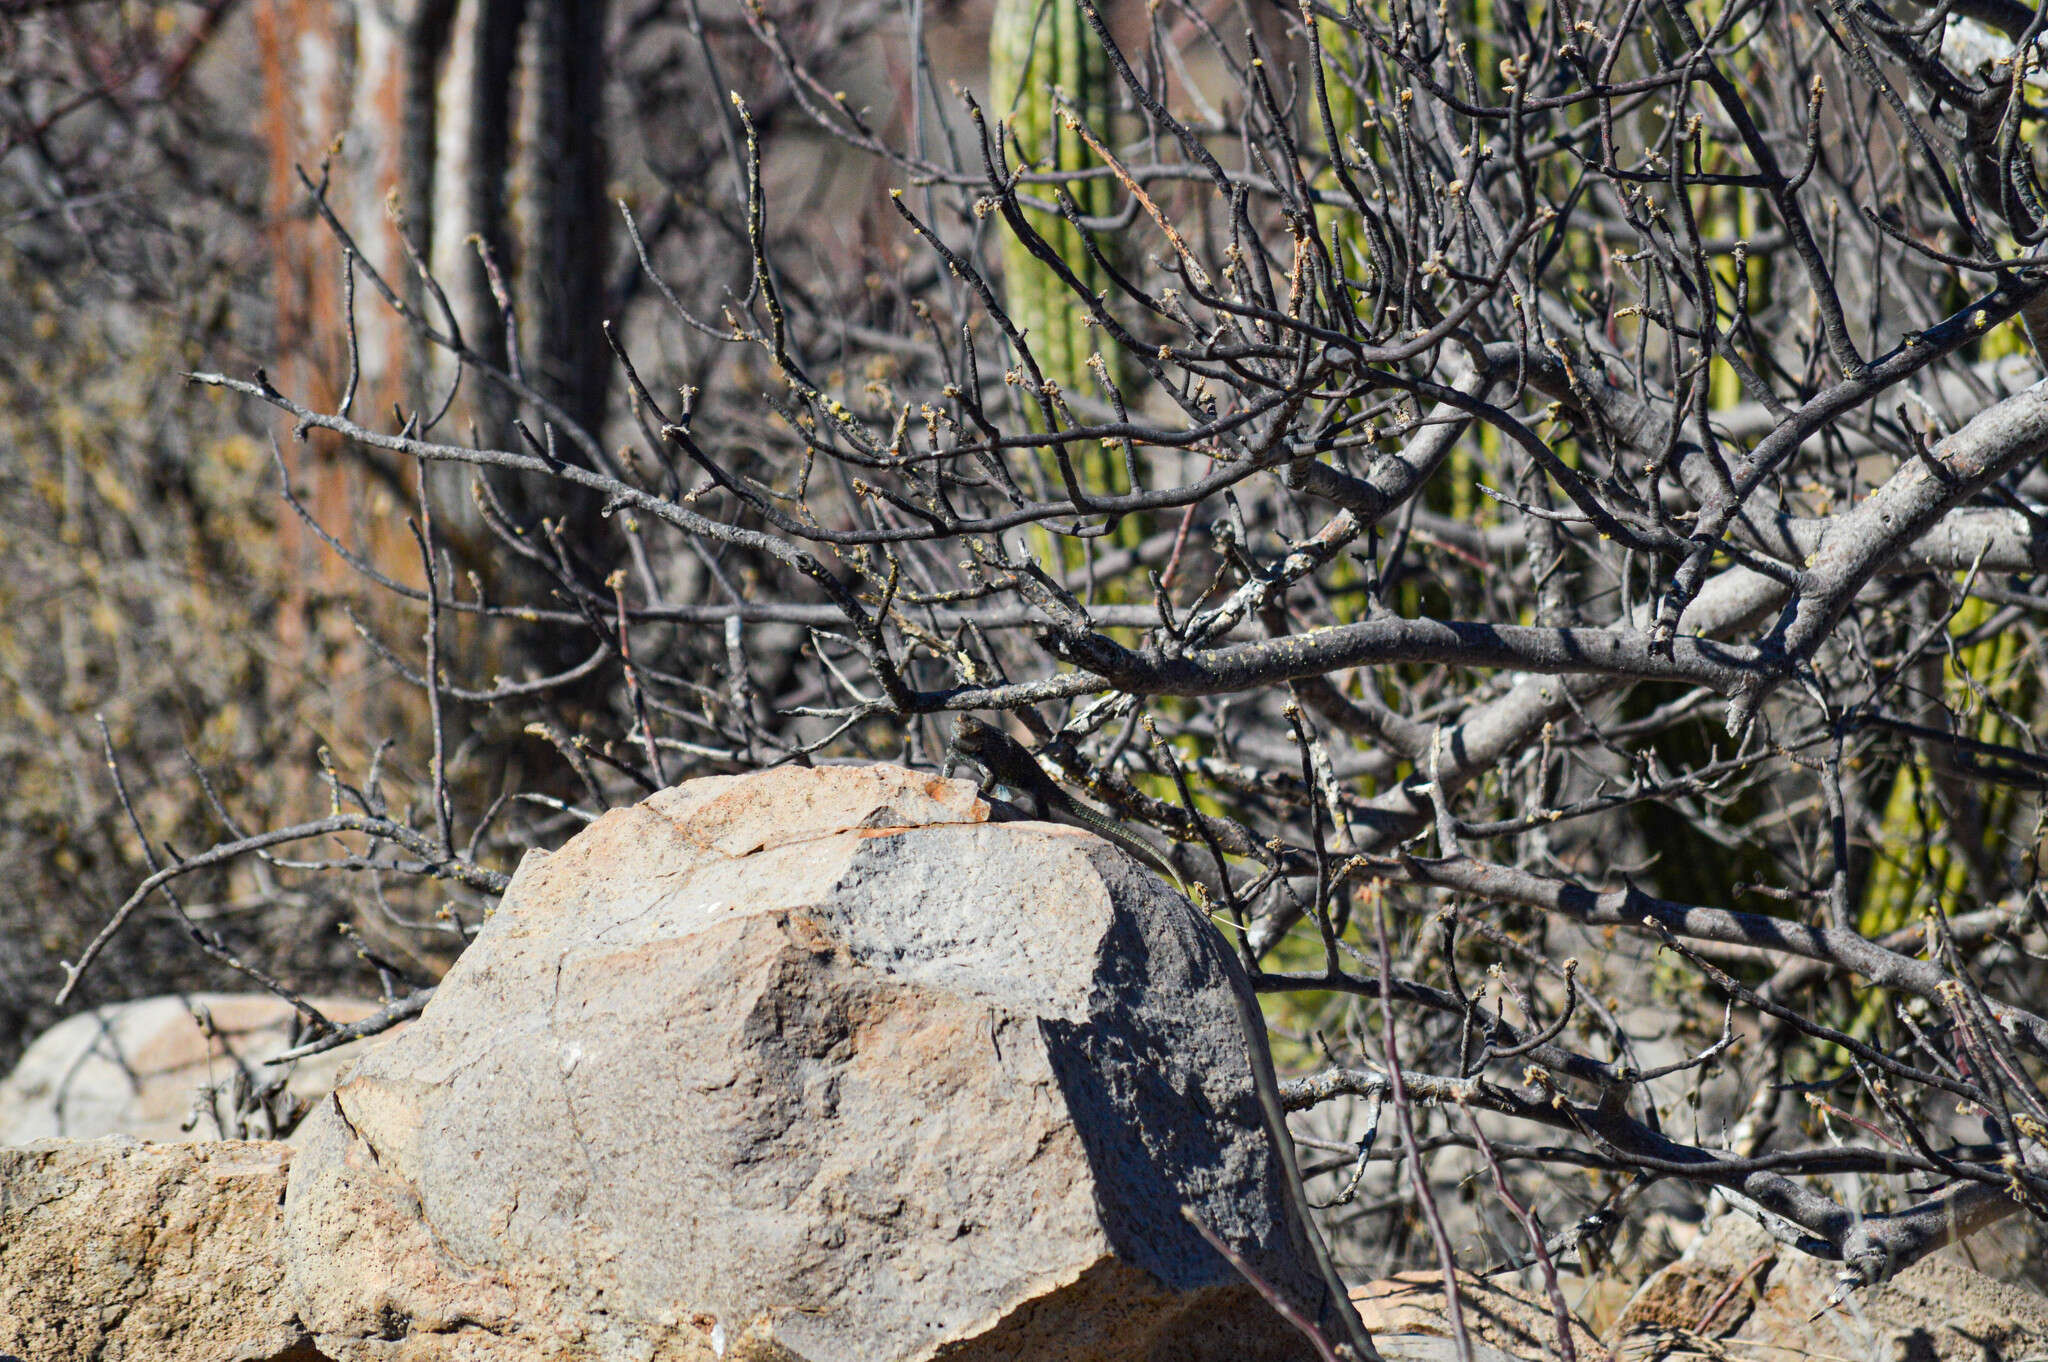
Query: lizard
[1008,762]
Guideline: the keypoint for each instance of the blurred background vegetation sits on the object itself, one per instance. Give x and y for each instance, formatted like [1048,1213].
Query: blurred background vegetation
[153,221]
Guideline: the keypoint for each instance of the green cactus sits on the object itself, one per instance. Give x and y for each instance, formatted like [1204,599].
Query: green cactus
[1915,865]
[1344,73]
[1042,54]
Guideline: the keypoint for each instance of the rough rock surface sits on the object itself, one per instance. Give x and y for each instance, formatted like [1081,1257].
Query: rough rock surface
[125,1252]
[1738,1293]
[807,1065]
[142,1068]
[1499,1314]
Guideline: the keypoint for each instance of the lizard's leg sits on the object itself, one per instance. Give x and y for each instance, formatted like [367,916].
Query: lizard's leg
[984,784]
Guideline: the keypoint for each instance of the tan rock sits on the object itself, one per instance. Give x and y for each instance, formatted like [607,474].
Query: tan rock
[812,1065]
[1739,1293]
[147,1068]
[125,1252]
[1499,1314]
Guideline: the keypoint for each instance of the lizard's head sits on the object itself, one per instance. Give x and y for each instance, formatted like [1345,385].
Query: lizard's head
[970,733]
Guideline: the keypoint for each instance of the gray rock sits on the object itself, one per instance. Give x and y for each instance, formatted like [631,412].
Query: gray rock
[812,1065]
[147,1068]
[1739,1293]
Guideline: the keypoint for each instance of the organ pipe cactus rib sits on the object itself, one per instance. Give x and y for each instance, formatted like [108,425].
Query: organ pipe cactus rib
[1042,56]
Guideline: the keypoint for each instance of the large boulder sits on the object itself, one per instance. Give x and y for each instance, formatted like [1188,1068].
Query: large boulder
[158,1068]
[127,1252]
[808,1064]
